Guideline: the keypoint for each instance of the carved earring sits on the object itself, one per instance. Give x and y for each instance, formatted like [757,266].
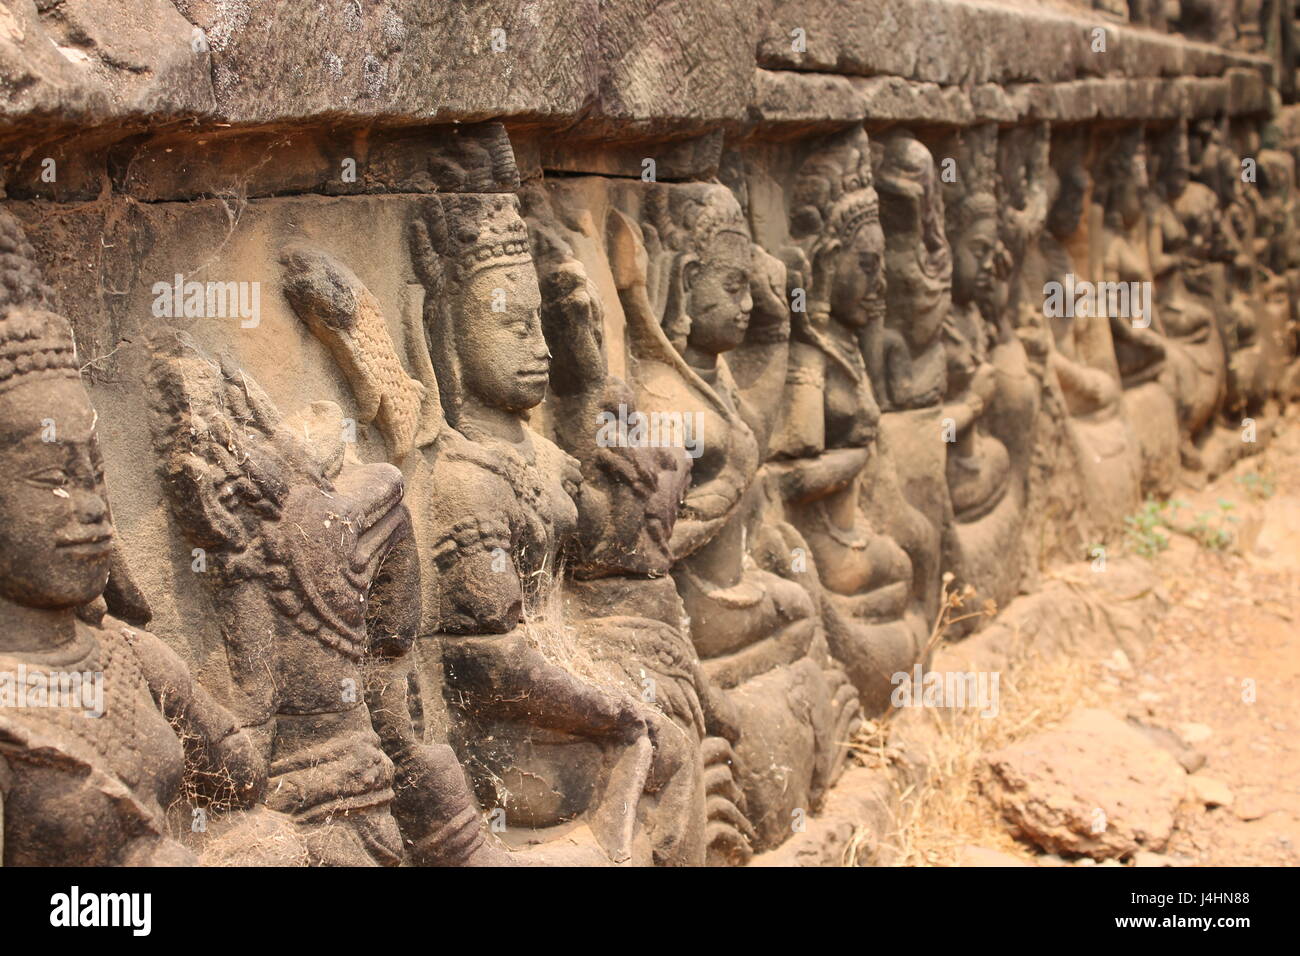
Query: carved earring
[677,319]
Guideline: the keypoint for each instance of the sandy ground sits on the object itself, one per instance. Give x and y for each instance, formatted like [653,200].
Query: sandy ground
[1222,667]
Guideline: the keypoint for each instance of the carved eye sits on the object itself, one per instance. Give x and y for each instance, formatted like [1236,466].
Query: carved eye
[50,478]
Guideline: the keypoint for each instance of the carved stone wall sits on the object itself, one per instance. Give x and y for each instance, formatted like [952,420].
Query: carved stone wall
[543,433]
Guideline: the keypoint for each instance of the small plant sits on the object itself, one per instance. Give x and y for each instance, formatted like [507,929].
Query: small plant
[1212,530]
[1257,484]
[1143,528]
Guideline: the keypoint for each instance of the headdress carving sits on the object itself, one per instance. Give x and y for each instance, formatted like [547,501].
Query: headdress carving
[681,221]
[455,238]
[971,208]
[911,199]
[473,233]
[32,338]
[834,194]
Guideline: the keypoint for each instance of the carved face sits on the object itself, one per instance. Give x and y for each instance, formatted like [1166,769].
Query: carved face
[919,259]
[718,289]
[504,360]
[56,538]
[1179,172]
[858,292]
[1067,212]
[974,277]
[1133,186]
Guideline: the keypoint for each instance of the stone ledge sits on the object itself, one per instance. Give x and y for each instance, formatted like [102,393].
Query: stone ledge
[810,100]
[966,42]
[639,68]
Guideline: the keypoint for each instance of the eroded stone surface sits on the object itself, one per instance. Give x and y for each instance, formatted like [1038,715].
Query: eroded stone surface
[542,434]
[1093,786]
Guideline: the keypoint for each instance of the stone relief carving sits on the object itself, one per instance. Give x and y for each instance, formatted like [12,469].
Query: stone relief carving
[107,732]
[1185,296]
[632,619]
[991,399]
[1081,358]
[546,745]
[1140,350]
[582,513]
[873,602]
[315,576]
[683,261]
[907,357]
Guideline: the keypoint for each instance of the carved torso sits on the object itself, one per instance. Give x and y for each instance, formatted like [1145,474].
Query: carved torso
[78,789]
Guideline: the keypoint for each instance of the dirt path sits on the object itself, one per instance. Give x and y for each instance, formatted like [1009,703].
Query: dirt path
[1221,671]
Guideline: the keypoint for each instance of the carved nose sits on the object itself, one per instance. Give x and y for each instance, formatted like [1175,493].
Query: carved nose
[89,507]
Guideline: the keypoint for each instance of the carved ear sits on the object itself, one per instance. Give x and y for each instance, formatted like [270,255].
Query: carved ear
[687,273]
[823,268]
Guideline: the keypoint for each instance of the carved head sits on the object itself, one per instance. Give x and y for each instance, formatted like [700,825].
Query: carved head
[485,334]
[975,241]
[1071,180]
[1124,178]
[919,259]
[836,218]
[56,534]
[703,225]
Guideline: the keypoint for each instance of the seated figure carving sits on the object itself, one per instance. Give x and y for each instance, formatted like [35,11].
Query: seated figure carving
[1141,352]
[1081,354]
[905,356]
[904,351]
[873,598]
[86,779]
[1189,290]
[550,748]
[991,404]
[628,615]
[341,311]
[684,276]
[1258,334]
[1243,224]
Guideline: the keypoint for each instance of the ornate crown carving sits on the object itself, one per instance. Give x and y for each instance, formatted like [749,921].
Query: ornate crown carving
[33,340]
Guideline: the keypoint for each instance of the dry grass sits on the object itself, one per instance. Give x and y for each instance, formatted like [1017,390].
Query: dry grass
[946,810]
